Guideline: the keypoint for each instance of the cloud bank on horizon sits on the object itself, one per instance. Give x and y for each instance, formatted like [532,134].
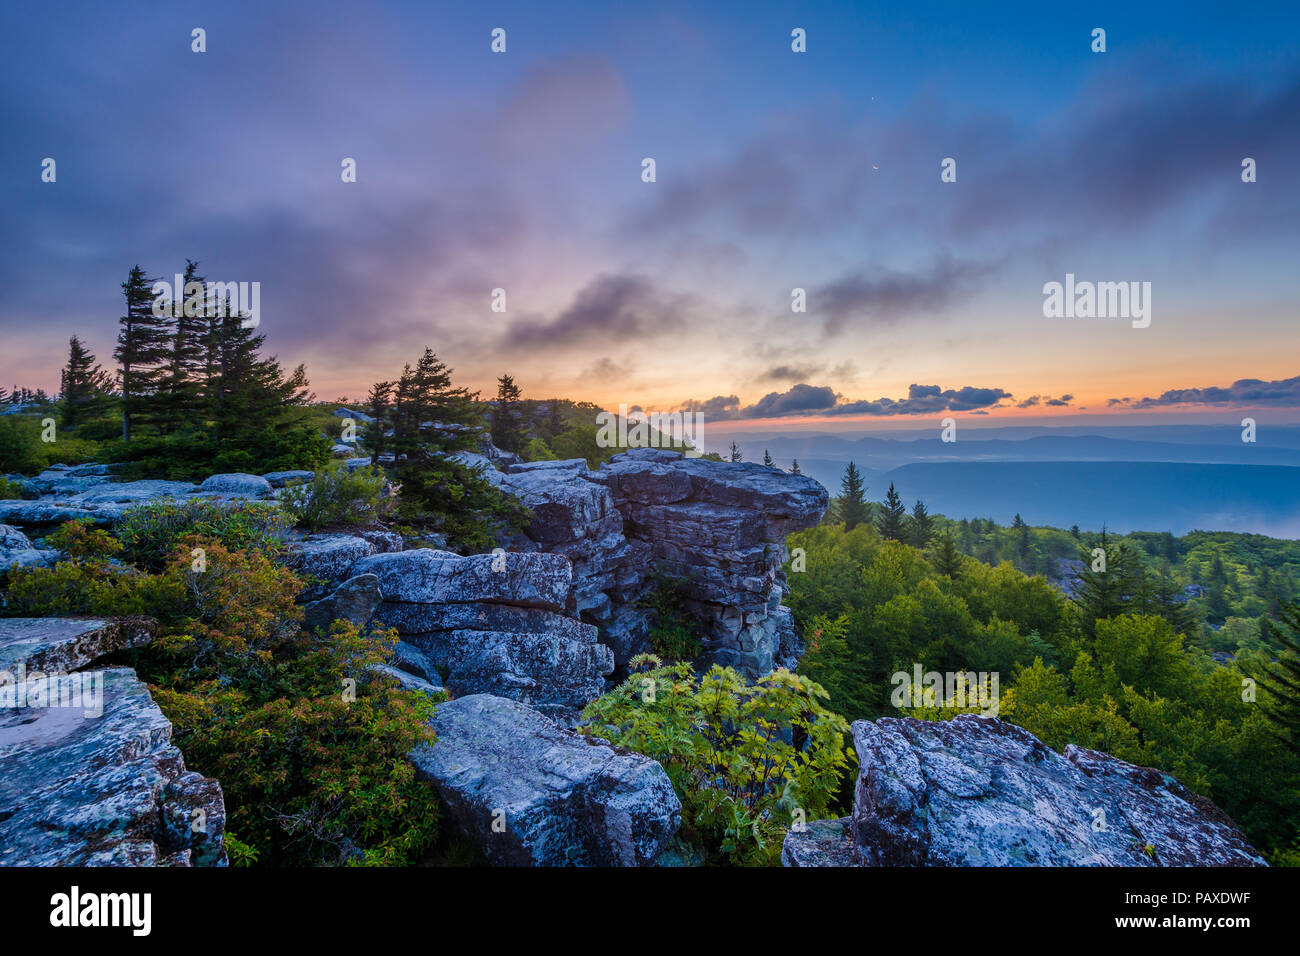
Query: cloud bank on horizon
[775,171]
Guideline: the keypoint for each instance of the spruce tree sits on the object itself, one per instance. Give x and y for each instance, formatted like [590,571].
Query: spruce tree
[85,385]
[735,452]
[893,516]
[920,529]
[180,399]
[794,467]
[508,431]
[1100,594]
[947,559]
[767,459]
[851,507]
[375,438]
[143,348]
[257,412]
[1282,680]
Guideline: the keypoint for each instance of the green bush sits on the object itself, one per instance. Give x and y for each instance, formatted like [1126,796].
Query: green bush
[9,490]
[672,634]
[337,497]
[454,499]
[747,761]
[81,539]
[309,742]
[149,533]
[90,587]
[23,452]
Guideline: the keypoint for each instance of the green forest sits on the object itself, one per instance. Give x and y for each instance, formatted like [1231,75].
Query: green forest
[1201,687]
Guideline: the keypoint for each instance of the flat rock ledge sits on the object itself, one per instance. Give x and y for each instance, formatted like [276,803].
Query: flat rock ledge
[106,790]
[530,793]
[62,644]
[977,791]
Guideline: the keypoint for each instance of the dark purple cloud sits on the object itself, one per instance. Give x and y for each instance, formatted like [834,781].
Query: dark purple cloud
[805,400]
[1283,393]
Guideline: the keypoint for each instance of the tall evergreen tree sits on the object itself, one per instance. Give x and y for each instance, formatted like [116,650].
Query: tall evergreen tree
[735,452]
[254,406]
[181,391]
[851,508]
[1283,680]
[947,559]
[893,516]
[143,348]
[1216,598]
[84,384]
[920,529]
[375,438]
[794,467]
[508,431]
[767,459]
[1101,593]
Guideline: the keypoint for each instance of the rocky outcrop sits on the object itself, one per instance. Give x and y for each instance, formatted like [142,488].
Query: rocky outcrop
[530,793]
[282,479]
[976,791]
[106,789]
[329,557]
[717,527]
[16,550]
[426,576]
[61,644]
[236,485]
[354,600]
[819,843]
[493,624]
[576,518]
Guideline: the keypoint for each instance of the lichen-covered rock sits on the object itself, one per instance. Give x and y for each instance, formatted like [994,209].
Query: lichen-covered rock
[61,644]
[354,600]
[16,550]
[819,843]
[426,576]
[327,557]
[49,511]
[281,479]
[106,790]
[717,527]
[976,791]
[559,798]
[237,485]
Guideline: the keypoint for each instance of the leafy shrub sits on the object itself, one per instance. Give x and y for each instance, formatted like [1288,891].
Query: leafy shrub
[309,743]
[90,587]
[337,497]
[149,533]
[536,450]
[23,452]
[672,634]
[81,539]
[454,499]
[9,489]
[746,760]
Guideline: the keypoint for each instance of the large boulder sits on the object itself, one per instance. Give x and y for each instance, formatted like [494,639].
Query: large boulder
[354,600]
[281,479]
[530,793]
[16,550]
[976,791]
[62,644]
[327,557]
[236,485]
[101,785]
[426,576]
[717,527]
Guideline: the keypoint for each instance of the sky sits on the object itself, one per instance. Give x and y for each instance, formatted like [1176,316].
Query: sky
[775,170]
